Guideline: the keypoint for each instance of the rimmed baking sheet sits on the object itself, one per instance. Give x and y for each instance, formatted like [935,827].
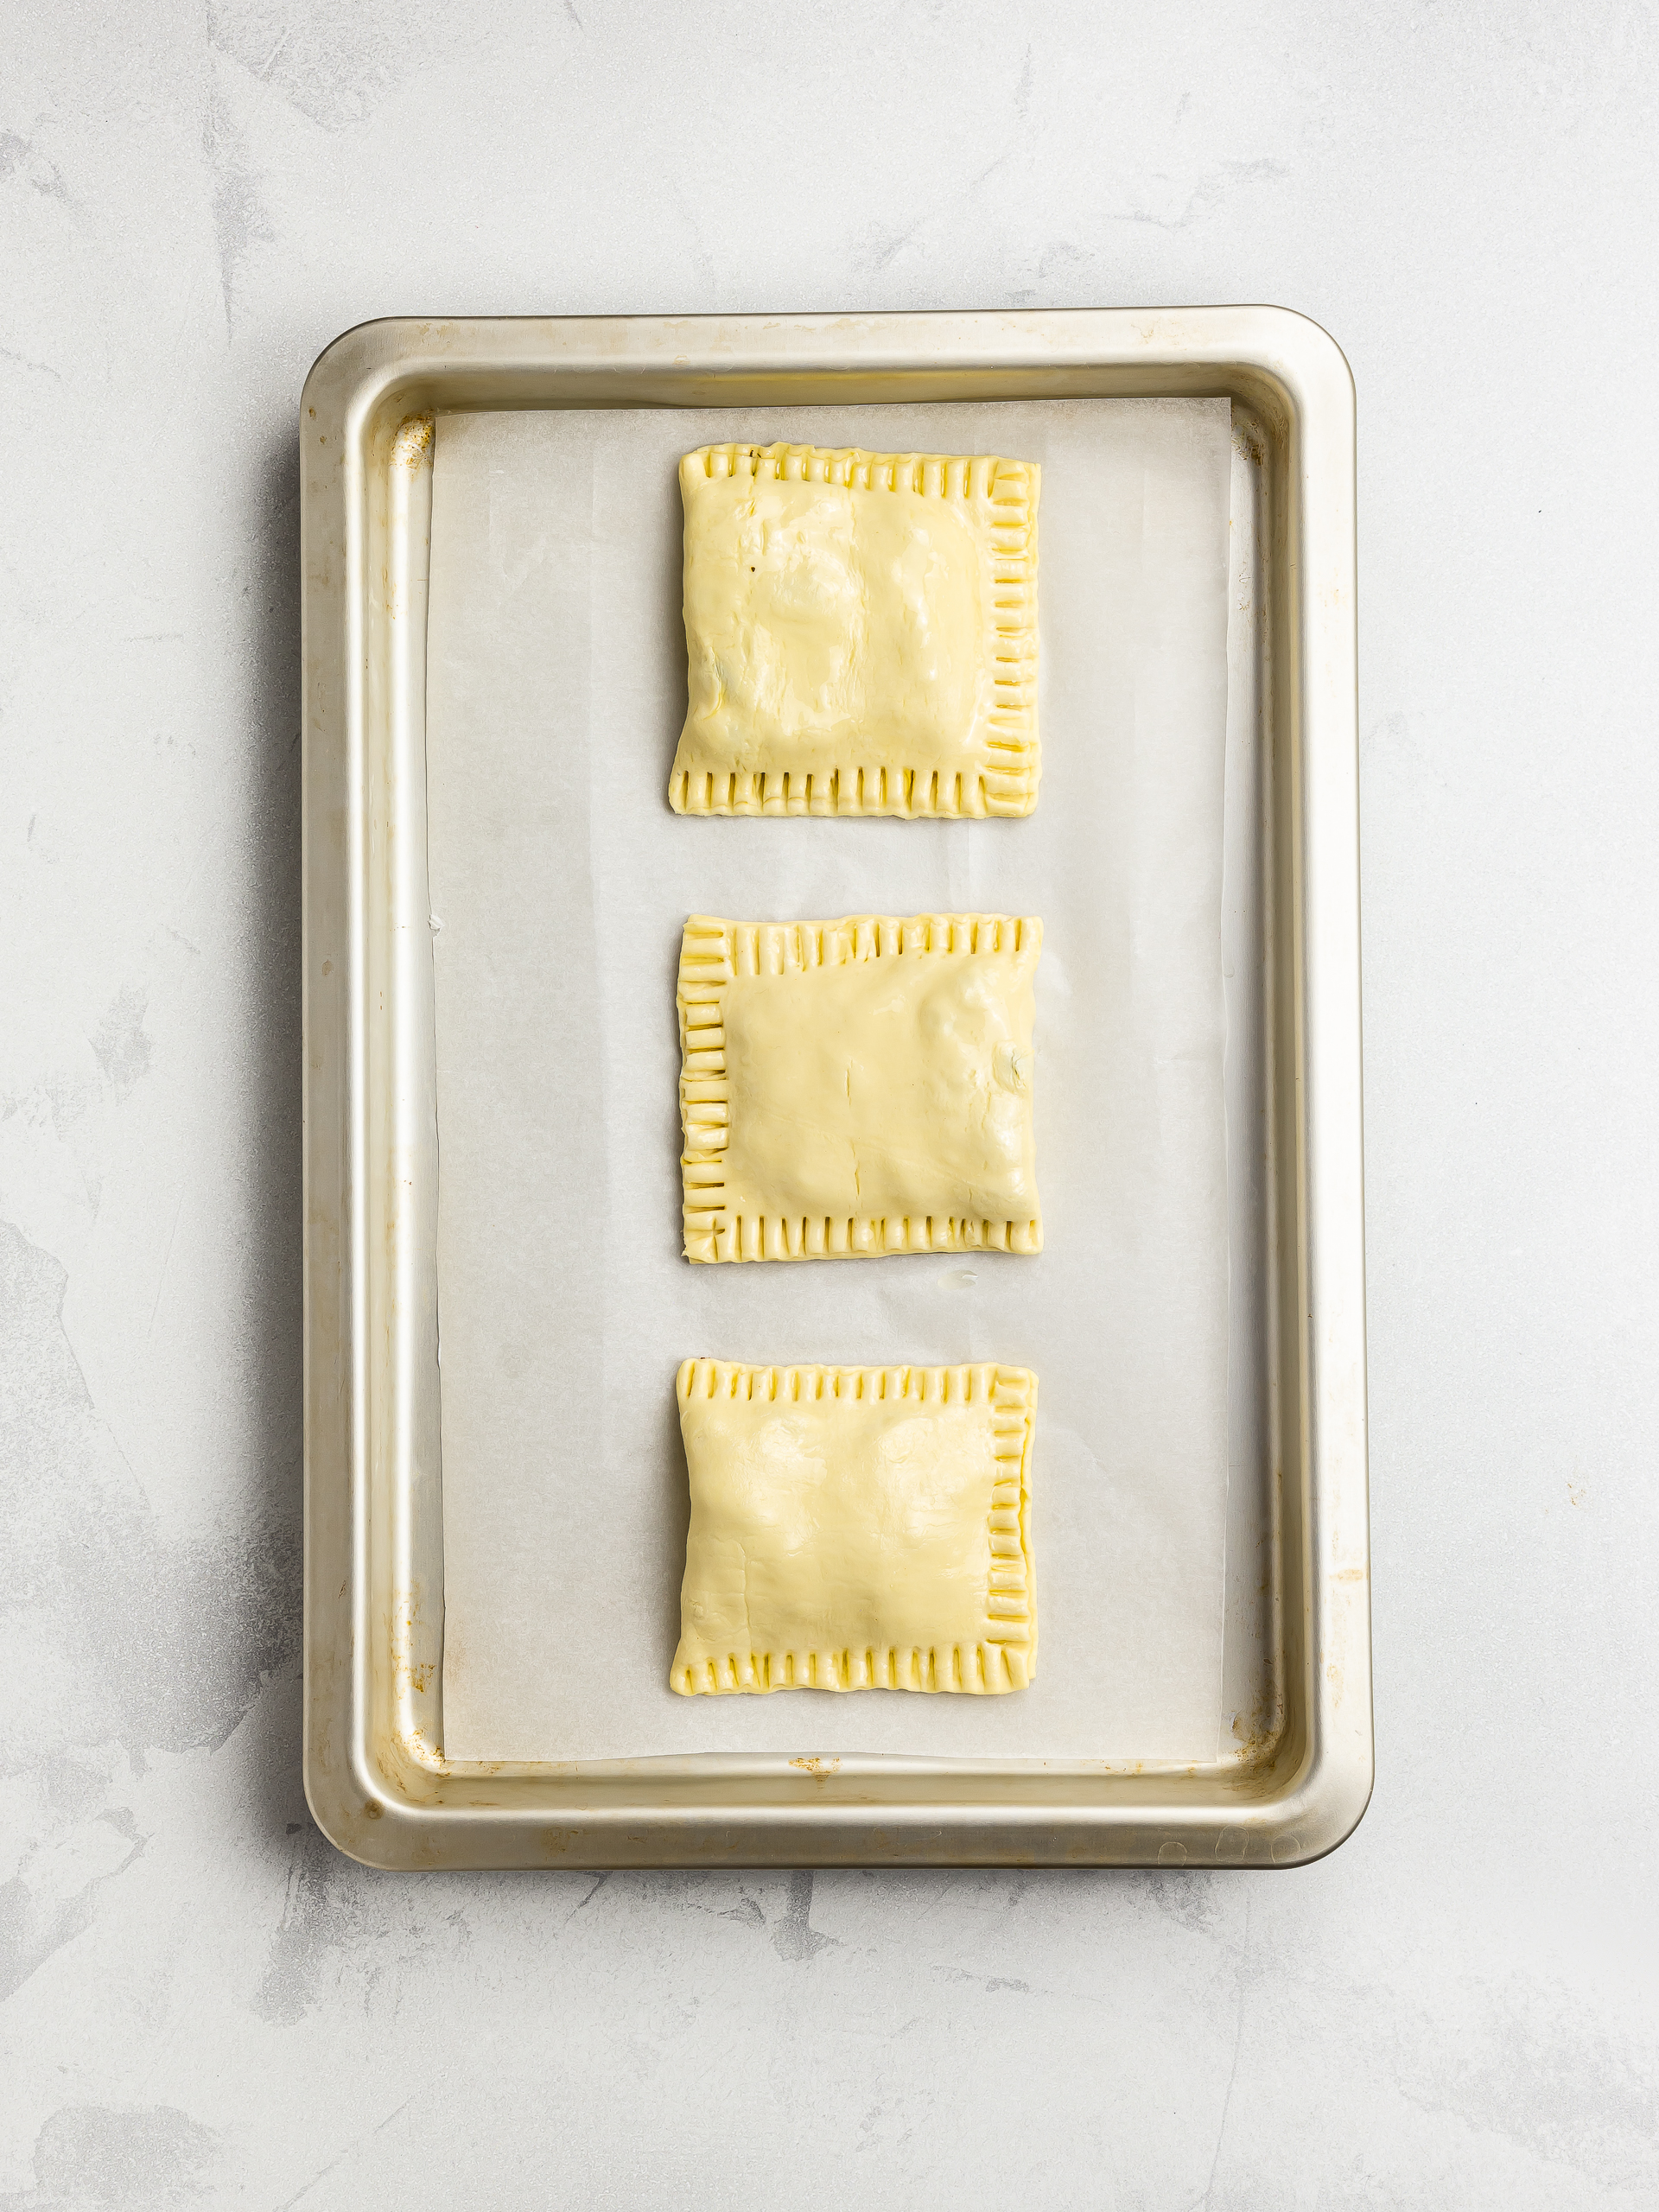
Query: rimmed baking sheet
[559,882]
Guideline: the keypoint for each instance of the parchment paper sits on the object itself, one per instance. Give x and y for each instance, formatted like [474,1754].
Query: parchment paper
[560,882]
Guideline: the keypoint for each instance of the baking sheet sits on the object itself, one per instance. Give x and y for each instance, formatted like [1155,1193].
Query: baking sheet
[560,882]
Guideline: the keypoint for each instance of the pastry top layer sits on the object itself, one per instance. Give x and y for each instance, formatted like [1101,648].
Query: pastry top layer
[857,1528]
[858,1086]
[861,633]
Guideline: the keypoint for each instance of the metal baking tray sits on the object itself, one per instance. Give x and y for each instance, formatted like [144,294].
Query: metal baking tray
[376,1775]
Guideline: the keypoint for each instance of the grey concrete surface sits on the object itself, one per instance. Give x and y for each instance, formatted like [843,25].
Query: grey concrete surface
[203,2002]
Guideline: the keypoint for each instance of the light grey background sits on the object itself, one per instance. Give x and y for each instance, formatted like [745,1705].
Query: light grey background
[206,2003]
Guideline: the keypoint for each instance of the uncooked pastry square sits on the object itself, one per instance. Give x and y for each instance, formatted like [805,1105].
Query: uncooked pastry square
[855,1087]
[861,633]
[857,1528]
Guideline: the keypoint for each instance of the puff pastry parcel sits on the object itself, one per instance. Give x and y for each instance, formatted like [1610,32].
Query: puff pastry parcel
[859,1087]
[857,1528]
[861,633]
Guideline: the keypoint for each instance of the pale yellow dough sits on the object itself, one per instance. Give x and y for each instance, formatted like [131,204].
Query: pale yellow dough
[854,1088]
[861,633]
[857,1528]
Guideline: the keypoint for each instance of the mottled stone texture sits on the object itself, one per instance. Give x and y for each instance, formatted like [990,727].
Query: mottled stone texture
[202,2002]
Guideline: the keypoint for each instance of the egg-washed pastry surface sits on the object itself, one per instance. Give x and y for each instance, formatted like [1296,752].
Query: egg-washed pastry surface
[857,1528]
[861,633]
[855,1087]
